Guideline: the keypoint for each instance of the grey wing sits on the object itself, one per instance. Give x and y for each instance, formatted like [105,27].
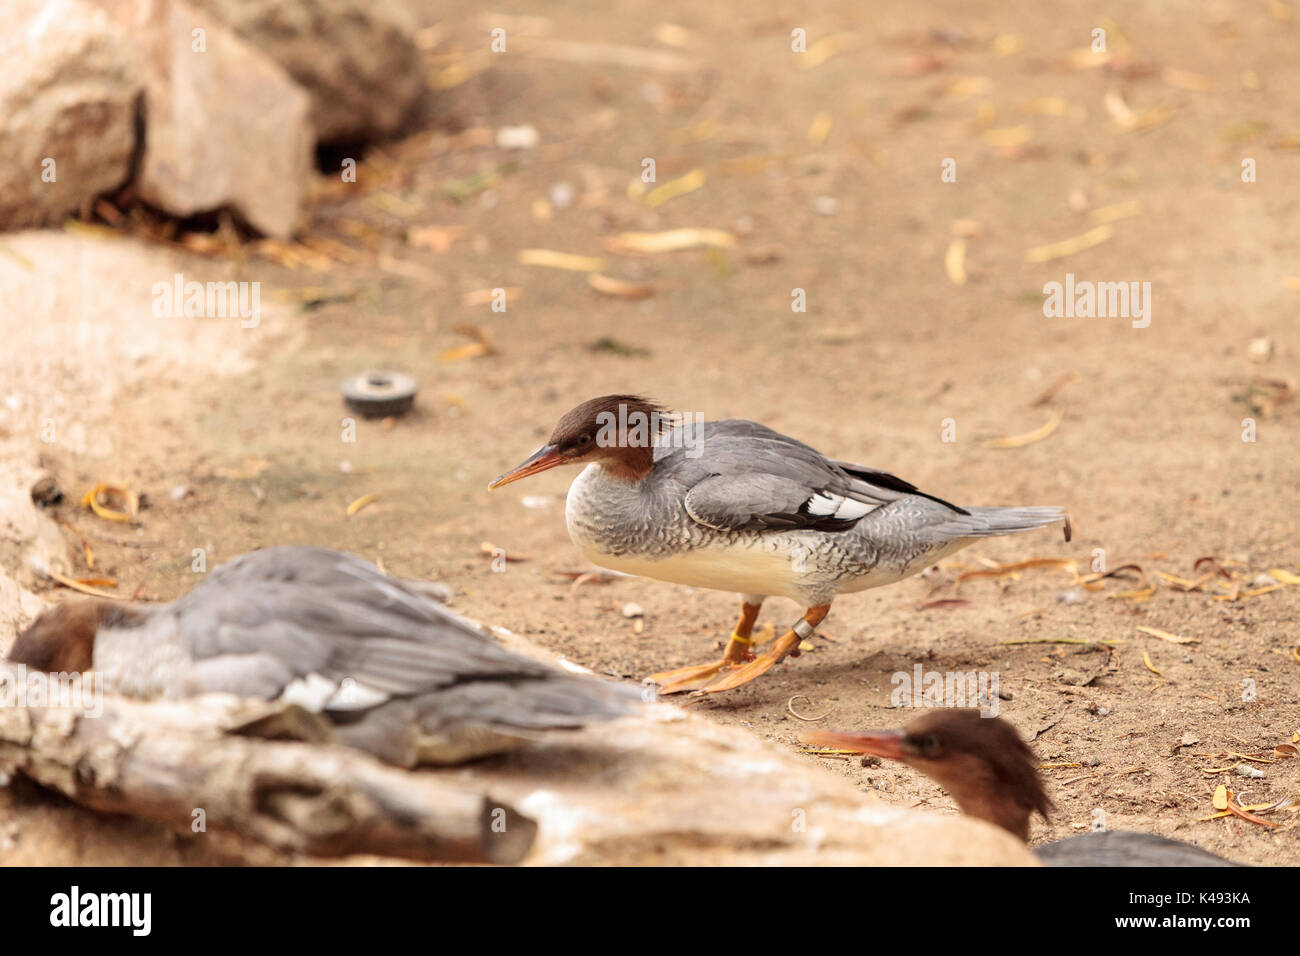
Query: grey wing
[1126,848]
[330,631]
[748,477]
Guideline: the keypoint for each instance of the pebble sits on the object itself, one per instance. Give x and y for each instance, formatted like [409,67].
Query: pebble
[1070,596]
[826,205]
[518,137]
[633,610]
[561,195]
[1246,770]
[1259,350]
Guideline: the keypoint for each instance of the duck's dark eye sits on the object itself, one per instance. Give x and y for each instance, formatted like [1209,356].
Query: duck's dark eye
[931,746]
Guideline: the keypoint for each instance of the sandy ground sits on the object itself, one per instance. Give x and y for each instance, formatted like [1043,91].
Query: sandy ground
[1148,456]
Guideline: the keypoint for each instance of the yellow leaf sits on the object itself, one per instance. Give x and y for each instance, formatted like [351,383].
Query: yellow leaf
[618,288]
[1018,441]
[954,262]
[361,503]
[672,240]
[559,260]
[1068,247]
[1166,636]
[1146,659]
[676,187]
[820,128]
[122,493]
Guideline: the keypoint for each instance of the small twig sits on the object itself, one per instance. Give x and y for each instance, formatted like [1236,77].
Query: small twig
[1062,640]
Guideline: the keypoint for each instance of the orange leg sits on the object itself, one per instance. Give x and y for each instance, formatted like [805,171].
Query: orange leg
[786,646]
[739,650]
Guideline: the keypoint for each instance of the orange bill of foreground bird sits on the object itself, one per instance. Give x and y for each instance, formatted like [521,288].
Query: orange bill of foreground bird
[396,673]
[993,776]
[735,506]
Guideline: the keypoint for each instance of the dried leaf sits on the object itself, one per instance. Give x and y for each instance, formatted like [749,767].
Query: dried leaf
[488,296]
[1008,137]
[1029,438]
[1068,247]
[618,288]
[1146,659]
[673,240]
[361,503]
[676,187]
[83,588]
[488,549]
[1166,636]
[1220,797]
[460,353]
[944,603]
[130,503]
[551,259]
[1113,213]
[437,238]
[1002,570]
[1069,378]
[820,129]
[954,262]
[1182,584]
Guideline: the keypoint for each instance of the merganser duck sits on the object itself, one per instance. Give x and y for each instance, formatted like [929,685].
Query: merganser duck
[396,673]
[735,506]
[993,776]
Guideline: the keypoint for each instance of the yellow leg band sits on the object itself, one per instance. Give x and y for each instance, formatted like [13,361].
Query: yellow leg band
[742,640]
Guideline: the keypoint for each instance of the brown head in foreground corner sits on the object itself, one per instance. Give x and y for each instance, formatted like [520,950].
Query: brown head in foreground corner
[62,638]
[980,761]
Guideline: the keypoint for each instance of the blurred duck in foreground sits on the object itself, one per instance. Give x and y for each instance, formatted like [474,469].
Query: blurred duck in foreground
[396,673]
[735,506]
[993,775]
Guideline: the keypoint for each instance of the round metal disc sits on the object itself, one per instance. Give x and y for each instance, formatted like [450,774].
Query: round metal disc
[380,394]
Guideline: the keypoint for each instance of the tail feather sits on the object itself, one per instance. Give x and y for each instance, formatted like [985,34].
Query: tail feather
[989,522]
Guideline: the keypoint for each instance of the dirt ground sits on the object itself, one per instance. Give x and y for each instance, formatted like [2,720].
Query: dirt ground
[1048,140]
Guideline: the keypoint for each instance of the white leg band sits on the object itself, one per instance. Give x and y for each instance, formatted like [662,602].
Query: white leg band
[803,629]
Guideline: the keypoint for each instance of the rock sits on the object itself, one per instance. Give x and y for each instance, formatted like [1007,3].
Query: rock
[1070,596]
[46,493]
[224,125]
[825,205]
[518,137]
[357,58]
[68,94]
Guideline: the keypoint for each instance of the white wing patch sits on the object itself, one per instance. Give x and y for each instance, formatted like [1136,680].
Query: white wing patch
[837,506]
[316,693]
